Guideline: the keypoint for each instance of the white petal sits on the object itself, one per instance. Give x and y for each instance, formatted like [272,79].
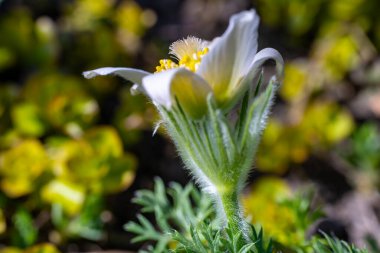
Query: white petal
[190,90]
[231,55]
[260,58]
[263,56]
[133,75]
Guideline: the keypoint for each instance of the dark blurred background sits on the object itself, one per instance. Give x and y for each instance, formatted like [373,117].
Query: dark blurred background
[74,151]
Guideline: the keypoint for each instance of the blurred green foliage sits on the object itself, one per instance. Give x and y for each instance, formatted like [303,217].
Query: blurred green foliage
[300,17]
[334,245]
[328,106]
[281,210]
[342,43]
[38,248]
[59,156]
[321,126]
[186,222]
[362,154]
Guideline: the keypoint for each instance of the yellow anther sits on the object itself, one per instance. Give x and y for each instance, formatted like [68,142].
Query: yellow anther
[188,52]
[166,64]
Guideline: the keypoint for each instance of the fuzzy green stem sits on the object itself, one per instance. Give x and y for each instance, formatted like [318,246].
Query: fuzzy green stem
[233,214]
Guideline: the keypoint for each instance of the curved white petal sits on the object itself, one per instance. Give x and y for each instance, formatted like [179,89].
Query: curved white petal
[260,58]
[130,74]
[263,56]
[230,55]
[190,90]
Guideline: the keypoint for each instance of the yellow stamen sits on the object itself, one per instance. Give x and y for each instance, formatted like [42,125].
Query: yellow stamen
[166,64]
[188,52]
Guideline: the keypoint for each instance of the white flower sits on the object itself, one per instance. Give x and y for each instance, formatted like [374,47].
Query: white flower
[225,67]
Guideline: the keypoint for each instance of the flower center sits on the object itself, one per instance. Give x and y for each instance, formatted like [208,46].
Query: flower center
[188,53]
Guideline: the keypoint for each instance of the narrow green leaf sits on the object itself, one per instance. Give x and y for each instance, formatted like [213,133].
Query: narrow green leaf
[242,114]
[222,156]
[259,84]
[246,248]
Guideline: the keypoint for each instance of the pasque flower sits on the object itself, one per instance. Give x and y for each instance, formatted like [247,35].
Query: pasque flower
[224,68]
[195,93]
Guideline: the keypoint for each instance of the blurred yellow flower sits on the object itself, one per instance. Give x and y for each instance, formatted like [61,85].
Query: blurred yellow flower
[39,248]
[20,166]
[94,163]
[321,125]
[277,220]
[294,83]
[69,195]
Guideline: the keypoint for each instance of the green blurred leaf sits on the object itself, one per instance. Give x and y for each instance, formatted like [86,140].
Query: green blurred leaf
[88,224]
[63,101]
[23,38]
[3,224]
[24,231]
[334,245]
[363,151]
[8,95]
[133,116]
[27,119]
[120,175]
[6,58]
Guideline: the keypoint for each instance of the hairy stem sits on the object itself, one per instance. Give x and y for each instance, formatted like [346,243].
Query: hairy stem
[233,214]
